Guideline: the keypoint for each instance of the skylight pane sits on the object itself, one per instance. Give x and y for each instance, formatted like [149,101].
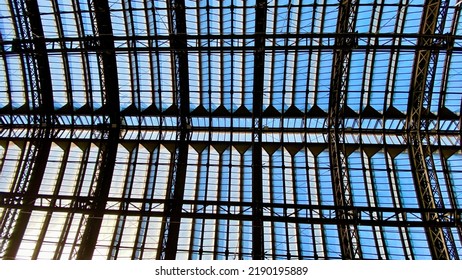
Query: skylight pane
[301,81]
[73,167]
[453,98]
[4,85]
[195,89]
[413,18]
[86,19]
[250,15]
[455,168]
[17,80]
[388,20]
[58,81]
[192,19]
[161,16]
[125,80]
[330,19]
[282,20]
[68,19]
[78,82]
[139,179]
[438,82]
[378,83]
[118,23]
[323,80]
[95,80]
[11,162]
[402,81]
[53,166]
[166,84]
[139,22]
[238,21]
[355,80]
[7,29]
[144,79]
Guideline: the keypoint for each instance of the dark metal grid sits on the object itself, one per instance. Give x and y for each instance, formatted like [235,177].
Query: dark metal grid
[135,42]
[136,204]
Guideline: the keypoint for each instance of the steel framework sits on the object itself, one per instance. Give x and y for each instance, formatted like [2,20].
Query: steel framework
[440,239]
[230,129]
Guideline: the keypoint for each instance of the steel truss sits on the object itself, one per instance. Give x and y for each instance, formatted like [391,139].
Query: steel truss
[440,239]
[38,125]
[319,214]
[103,43]
[36,68]
[349,239]
[172,217]
[272,42]
[257,192]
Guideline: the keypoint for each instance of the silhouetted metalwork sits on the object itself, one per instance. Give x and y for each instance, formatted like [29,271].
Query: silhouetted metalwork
[230,130]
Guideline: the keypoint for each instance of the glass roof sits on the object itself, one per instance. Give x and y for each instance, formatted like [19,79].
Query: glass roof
[237,95]
[220,39]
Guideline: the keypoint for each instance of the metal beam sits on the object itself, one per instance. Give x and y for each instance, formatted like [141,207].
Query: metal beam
[30,27]
[257,108]
[348,234]
[440,240]
[397,141]
[109,128]
[16,119]
[319,214]
[304,41]
[172,219]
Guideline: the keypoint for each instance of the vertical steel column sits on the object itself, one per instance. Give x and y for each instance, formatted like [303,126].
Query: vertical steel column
[109,131]
[440,239]
[348,233]
[30,28]
[172,219]
[257,192]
